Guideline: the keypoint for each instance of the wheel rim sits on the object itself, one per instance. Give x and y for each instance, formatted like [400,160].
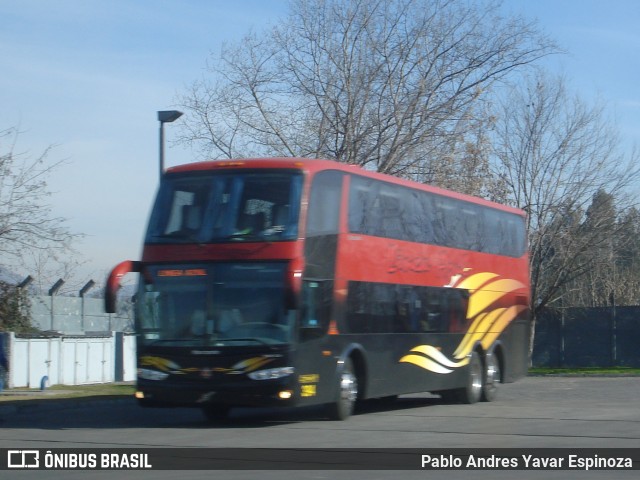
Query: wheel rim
[475,380]
[348,388]
[493,374]
[491,378]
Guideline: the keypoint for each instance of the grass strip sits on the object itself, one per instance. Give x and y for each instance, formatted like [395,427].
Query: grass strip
[68,391]
[585,371]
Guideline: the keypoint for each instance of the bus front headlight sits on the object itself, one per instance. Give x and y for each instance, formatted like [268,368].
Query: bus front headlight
[149,374]
[271,373]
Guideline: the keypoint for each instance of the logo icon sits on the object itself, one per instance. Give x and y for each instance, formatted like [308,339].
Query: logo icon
[23,459]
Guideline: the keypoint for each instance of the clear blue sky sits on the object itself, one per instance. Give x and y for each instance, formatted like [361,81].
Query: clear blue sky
[89,76]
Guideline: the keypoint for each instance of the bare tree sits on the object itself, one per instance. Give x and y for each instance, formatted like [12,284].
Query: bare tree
[27,225]
[466,165]
[626,269]
[48,267]
[388,85]
[613,274]
[561,159]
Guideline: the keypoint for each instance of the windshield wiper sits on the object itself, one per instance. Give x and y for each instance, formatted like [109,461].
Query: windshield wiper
[178,238]
[242,236]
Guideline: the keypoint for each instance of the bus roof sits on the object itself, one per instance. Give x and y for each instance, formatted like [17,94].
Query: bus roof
[315,165]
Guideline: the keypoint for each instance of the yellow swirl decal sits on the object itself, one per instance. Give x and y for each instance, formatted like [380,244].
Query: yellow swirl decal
[164,365]
[245,366]
[486,323]
[432,359]
[168,366]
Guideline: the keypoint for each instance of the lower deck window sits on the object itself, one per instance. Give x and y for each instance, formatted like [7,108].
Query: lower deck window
[390,308]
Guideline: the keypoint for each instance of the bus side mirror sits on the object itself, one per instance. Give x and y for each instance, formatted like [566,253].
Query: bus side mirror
[113,283]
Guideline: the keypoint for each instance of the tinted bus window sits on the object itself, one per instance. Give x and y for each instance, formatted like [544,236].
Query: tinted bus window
[390,308]
[391,211]
[243,206]
[324,204]
[226,304]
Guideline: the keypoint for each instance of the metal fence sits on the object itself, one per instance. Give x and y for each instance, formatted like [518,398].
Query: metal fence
[79,343]
[78,315]
[588,337]
[35,360]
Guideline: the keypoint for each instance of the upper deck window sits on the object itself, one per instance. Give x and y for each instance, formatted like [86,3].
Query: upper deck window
[226,207]
[324,204]
[393,211]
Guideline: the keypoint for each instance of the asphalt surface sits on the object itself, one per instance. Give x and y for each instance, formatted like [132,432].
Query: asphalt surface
[537,412]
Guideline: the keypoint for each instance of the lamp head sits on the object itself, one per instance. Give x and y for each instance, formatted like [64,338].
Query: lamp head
[168,116]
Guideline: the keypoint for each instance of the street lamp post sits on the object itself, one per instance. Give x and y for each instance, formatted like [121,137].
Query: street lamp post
[165,116]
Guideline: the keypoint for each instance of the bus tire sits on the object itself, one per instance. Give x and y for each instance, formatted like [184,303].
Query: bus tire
[216,412]
[472,391]
[347,393]
[490,378]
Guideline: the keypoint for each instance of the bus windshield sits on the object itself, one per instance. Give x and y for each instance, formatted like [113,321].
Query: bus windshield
[226,207]
[226,304]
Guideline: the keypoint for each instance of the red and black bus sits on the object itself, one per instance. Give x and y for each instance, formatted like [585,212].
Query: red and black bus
[299,282]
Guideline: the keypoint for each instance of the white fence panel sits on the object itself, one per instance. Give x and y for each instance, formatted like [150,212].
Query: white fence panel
[81,359]
[19,363]
[129,358]
[32,359]
[100,360]
[68,363]
[74,360]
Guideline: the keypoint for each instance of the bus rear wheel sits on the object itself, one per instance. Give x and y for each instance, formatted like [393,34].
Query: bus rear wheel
[490,378]
[347,393]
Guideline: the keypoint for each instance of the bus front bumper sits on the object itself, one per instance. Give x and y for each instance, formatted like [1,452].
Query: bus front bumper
[181,394]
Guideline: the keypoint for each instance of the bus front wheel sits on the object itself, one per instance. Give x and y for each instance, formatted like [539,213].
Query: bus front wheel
[347,393]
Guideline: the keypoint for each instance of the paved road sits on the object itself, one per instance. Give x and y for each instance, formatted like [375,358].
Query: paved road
[535,412]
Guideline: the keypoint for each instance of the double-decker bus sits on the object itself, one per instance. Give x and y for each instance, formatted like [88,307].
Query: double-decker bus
[302,282]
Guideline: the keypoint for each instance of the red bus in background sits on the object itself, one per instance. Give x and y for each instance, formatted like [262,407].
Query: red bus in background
[299,282]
